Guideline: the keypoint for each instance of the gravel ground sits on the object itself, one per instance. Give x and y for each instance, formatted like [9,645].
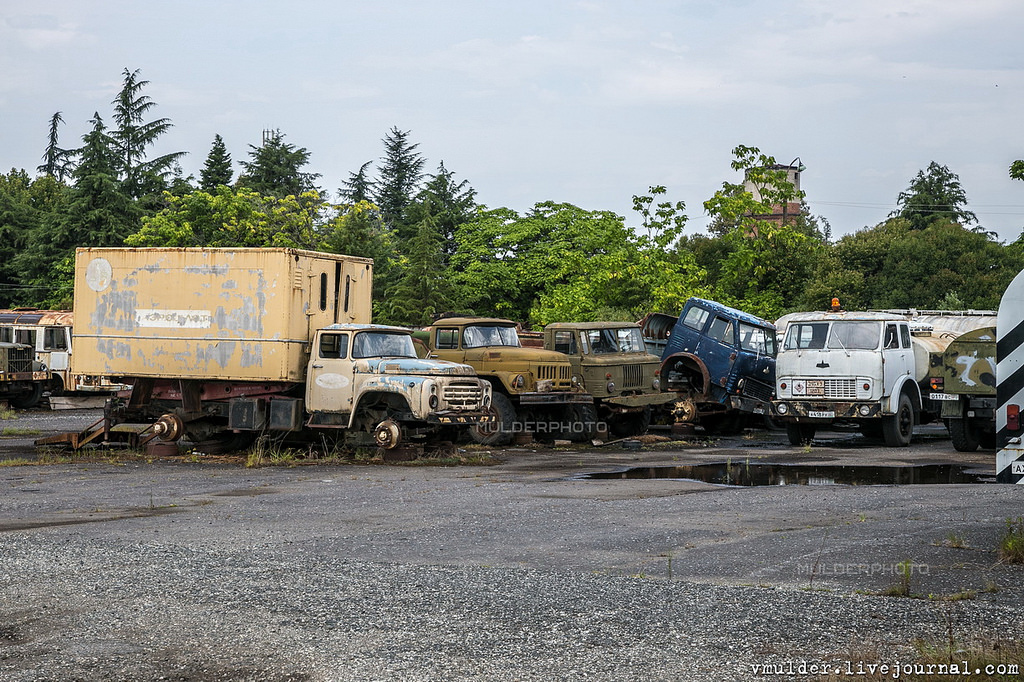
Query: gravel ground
[176,570]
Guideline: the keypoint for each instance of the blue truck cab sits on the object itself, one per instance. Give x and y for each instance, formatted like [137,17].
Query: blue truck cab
[719,361]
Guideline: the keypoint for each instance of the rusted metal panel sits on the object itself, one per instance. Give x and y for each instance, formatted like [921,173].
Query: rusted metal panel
[191,313]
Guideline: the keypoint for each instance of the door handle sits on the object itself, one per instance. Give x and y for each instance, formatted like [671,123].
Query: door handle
[317,366]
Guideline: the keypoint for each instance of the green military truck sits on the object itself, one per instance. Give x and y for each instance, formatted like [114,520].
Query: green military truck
[534,390]
[611,360]
[963,380]
[22,377]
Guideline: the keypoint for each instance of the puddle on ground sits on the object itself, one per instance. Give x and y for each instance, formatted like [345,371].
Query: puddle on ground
[743,474]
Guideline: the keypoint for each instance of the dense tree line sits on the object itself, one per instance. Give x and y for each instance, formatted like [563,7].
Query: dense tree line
[437,249]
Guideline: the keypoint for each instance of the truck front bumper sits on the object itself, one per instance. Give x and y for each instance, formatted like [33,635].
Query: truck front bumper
[554,398]
[808,410]
[642,400]
[453,418]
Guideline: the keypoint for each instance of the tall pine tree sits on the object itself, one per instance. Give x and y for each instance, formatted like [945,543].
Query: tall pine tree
[133,135]
[401,173]
[217,169]
[275,168]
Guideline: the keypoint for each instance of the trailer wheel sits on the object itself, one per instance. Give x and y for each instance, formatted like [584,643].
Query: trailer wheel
[800,434]
[898,429]
[25,401]
[963,435]
[498,432]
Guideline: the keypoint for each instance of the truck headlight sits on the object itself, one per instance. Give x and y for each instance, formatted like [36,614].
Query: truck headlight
[656,384]
[518,381]
[433,401]
[782,408]
[864,410]
[611,387]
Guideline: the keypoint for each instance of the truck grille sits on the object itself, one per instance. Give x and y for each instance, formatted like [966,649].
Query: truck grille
[19,359]
[557,373]
[757,390]
[841,388]
[462,396]
[632,376]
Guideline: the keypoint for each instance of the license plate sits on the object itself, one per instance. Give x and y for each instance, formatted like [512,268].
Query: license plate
[943,396]
[1017,468]
[821,414]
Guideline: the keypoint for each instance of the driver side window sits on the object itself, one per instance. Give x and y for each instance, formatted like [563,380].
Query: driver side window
[334,346]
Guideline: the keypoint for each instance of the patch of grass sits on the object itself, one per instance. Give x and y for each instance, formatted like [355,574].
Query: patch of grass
[12,432]
[953,540]
[16,462]
[1011,544]
[6,413]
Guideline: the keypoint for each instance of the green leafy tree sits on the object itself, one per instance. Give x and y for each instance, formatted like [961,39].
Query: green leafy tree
[762,264]
[94,212]
[275,168]
[133,135]
[229,218]
[401,172]
[894,265]
[934,193]
[18,219]
[562,263]
[217,169]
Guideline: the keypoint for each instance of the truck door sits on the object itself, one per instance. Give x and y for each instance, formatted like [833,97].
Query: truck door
[330,376]
[897,355]
[55,342]
[718,350]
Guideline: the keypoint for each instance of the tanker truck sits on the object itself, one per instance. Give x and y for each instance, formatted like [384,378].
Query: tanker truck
[220,345]
[870,369]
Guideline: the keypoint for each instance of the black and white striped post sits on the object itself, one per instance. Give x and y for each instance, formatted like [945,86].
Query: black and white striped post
[1010,384]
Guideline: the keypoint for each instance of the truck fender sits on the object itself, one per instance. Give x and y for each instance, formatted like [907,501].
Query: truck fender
[908,386]
[691,364]
[395,394]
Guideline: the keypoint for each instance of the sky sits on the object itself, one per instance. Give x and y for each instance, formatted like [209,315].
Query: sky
[587,102]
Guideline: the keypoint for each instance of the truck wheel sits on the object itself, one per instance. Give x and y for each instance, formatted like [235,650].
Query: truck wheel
[631,424]
[24,401]
[499,432]
[800,434]
[964,437]
[898,429]
[583,424]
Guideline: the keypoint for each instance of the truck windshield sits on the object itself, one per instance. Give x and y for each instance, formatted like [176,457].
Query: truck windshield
[757,339]
[841,335]
[383,345]
[478,336]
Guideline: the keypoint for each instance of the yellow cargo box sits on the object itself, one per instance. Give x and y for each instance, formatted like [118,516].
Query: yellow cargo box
[213,314]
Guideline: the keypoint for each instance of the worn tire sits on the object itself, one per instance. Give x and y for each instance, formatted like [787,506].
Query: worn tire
[898,429]
[25,401]
[800,434]
[630,425]
[500,432]
[964,436]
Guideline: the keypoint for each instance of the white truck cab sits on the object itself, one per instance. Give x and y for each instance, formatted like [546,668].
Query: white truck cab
[848,366]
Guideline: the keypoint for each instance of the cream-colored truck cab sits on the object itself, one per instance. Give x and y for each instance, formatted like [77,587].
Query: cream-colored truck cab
[368,378]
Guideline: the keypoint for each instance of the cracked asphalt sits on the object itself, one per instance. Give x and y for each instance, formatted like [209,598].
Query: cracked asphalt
[528,569]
